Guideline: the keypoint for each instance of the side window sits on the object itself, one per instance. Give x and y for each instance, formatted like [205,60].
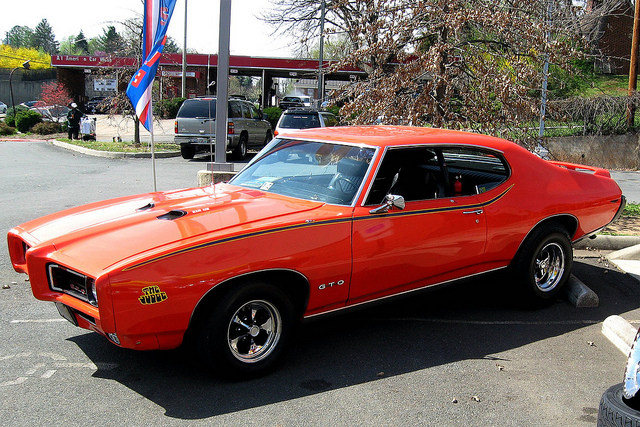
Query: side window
[474,171]
[422,173]
[246,110]
[235,110]
[255,114]
[329,119]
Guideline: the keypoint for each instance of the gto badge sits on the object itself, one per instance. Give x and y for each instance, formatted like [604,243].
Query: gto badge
[152,295]
[331,284]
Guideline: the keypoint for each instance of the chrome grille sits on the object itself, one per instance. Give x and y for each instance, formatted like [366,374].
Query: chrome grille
[70,282]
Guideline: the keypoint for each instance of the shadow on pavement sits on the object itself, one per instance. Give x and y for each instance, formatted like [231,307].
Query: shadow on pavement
[472,320]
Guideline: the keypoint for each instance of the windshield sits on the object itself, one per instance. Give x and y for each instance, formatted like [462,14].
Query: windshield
[316,171]
[300,121]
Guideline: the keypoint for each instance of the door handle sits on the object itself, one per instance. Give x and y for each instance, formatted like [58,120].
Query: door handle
[477,212]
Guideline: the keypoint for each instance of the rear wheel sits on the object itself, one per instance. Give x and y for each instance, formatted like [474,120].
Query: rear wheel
[247,330]
[240,152]
[543,265]
[187,151]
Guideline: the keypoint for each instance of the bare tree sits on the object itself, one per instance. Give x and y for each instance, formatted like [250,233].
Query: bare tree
[466,64]
[475,64]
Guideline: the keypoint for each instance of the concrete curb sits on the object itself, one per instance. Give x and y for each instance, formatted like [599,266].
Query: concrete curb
[619,332]
[627,259]
[112,154]
[607,242]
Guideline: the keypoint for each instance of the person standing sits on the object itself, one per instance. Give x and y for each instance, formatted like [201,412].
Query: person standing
[73,121]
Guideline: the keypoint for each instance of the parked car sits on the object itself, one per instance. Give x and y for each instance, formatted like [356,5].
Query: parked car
[29,104]
[620,404]
[304,119]
[52,113]
[195,128]
[96,105]
[320,220]
[300,101]
[3,108]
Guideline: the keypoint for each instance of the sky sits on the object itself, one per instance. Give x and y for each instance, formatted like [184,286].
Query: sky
[249,35]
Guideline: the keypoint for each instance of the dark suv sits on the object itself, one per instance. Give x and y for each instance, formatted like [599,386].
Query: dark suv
[195,127]
[304,119]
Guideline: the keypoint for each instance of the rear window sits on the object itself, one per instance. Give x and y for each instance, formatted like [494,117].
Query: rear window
[300,121]
[192,108]
[291,99]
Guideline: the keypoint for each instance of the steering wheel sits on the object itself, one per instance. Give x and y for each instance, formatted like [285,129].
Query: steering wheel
[344,184]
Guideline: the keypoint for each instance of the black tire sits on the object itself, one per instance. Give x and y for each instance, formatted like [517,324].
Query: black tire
[247,331]
[268,138]
[187,151]
[614,410]
[543,264]
[240,152]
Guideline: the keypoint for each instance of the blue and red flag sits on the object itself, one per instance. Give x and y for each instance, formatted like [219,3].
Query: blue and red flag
[157,14]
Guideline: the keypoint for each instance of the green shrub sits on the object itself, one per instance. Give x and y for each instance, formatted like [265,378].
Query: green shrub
[10,116]
[168,108]
[5,129]
[335,110]
[46,128]
[25,120]
[273,114]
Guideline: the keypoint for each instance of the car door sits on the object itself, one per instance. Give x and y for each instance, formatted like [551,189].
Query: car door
[440,235]
[260,126]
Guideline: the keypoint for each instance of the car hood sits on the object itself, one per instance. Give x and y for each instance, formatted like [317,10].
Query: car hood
[102,234]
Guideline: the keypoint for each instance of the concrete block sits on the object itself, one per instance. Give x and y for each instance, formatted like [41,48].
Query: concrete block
[580,295]
[205,177]
[619,332]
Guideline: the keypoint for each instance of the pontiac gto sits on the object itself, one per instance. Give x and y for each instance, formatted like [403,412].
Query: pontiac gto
[320,220]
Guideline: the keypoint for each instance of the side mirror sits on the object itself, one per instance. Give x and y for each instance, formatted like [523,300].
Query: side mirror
[265,116]
[390,201]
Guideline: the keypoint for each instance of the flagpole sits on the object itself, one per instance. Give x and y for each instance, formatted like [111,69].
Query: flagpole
[153,146]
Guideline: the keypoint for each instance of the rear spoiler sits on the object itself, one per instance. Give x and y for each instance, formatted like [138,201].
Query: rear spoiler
[582,168]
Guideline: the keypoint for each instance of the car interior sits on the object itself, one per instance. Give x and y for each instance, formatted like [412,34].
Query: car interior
[431,173]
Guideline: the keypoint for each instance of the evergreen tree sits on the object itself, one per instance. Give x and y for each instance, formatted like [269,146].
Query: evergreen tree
[111,42]
[81,44]
[19,36]
[43,38]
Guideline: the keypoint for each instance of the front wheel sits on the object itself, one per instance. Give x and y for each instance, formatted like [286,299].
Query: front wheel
[543,265]
[246,332]
[268,138]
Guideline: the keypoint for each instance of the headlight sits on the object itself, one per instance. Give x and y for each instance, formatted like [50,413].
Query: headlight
[71,282]
[94,293]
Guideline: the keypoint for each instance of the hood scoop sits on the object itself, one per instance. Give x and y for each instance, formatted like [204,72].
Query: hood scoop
[174,214]
[148,206]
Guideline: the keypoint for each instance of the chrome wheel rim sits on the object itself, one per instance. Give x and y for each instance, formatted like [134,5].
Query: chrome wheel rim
[254,331]
[549,267]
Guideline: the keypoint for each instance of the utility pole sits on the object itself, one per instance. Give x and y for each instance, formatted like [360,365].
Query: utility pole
[633,67]
[222,96]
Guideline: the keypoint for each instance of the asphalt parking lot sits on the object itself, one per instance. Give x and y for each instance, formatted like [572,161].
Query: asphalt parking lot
[462,355]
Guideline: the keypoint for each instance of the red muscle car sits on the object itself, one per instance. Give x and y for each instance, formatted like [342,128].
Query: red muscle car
[320,220]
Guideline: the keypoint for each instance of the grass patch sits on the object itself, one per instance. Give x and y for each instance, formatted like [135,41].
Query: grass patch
[606,85]
[631,209]
[126,147]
